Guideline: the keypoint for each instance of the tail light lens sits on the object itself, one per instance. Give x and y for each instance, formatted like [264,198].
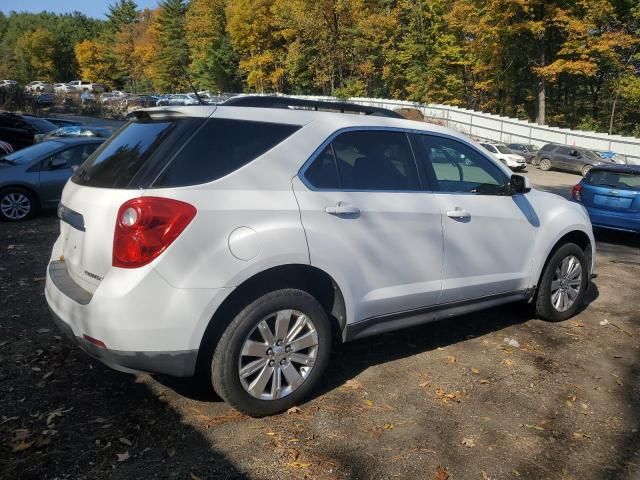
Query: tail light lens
[575,192]
[145,227]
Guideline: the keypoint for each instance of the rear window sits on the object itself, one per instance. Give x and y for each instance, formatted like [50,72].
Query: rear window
[178,152]
[220,147]
[619,180]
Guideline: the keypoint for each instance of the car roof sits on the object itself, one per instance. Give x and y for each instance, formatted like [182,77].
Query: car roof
[299,117]
[617,167]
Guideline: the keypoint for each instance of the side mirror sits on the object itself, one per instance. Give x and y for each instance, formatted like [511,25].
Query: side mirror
[519,184]
[57,163]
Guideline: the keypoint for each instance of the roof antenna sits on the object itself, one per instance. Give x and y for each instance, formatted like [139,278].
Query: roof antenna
[186,74]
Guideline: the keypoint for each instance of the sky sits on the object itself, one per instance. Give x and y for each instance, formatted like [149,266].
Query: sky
[92,8]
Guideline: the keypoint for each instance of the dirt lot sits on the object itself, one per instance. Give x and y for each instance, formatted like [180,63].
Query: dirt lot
[451,397]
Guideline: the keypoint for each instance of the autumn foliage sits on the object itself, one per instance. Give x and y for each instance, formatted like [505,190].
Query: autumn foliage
[564,61]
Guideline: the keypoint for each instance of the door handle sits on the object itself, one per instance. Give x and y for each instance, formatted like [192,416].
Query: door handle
[342,209]
[458,213]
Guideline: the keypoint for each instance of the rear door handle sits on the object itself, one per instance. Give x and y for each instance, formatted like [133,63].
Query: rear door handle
[342,209]
[458,213]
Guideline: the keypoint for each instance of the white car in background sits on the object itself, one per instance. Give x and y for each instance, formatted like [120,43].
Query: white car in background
[62,88]
[239,242]
[82,85]
[506,155]
[39,86]
[8,83]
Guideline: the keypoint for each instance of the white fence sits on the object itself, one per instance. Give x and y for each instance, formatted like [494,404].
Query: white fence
[508,130]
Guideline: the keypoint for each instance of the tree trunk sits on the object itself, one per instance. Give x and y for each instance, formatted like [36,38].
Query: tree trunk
[542,88]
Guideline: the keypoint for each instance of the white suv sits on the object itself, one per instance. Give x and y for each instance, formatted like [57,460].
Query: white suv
[506,155]
[240,242]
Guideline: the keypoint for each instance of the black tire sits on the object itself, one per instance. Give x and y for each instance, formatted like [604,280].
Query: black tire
[545,164]
[586,170]
[544,305]
[8,194]
[225,365]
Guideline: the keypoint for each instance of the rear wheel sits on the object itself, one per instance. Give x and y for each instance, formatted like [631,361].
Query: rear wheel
[545,164]
[16,204]
[563,284]
[586,169]
[273,353]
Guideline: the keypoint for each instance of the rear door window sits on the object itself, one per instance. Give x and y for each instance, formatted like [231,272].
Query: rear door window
[220,147]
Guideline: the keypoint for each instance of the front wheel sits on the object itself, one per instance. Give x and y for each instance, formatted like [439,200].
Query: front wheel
[563,285]
[16,204]
[273,353]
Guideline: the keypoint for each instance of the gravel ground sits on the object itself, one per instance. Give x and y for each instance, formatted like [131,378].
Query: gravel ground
[497,394]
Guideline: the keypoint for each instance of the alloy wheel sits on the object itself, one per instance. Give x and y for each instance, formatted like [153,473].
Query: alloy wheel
[15,206]
[278,355]
[566,283]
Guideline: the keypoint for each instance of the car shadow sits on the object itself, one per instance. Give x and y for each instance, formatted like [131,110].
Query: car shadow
[350,359]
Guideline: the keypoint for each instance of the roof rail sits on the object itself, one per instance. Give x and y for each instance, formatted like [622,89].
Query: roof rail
[272,101]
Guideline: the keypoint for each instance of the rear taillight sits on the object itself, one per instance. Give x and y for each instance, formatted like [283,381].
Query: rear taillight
[145,227]
[575,192]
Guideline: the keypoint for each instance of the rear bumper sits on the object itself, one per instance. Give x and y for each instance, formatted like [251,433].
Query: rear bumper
[177,364]
[614,220]
[144,323]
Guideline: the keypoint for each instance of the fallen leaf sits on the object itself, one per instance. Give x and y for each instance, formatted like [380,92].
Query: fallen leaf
[535,427]
[580,435]
[442,473]
[297,464]
[43,330]
[468,442]
[388,426]
[368,403]
[195,477]
[423,384]
[353,383]
[272,434]
[451,359]
[23,445]
[123,456]
[125,441]
[484,381]
[47,375]
[508,362]
[171,452]
[293,410]
[475,371]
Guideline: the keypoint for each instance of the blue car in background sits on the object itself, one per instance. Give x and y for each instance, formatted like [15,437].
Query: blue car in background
[611,195]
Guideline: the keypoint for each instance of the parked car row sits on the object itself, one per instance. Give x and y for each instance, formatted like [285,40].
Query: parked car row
[551,156]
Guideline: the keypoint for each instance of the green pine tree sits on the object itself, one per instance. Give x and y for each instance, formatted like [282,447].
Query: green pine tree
[172,58]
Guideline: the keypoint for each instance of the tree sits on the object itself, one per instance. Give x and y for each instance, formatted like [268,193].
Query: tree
[213,60]
[172,55]
[121,14]
[34,55]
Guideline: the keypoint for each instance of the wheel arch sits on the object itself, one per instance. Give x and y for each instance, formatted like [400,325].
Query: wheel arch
[305,277]
[577,236]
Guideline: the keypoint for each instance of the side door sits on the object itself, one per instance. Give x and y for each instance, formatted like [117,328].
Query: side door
[488,233]
[369,224]
[563,159]
[56,170]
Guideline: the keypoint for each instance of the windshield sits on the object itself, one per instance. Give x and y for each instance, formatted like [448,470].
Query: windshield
[503,149]
[620,180]
[591,155]
[31,153]
[40,124]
